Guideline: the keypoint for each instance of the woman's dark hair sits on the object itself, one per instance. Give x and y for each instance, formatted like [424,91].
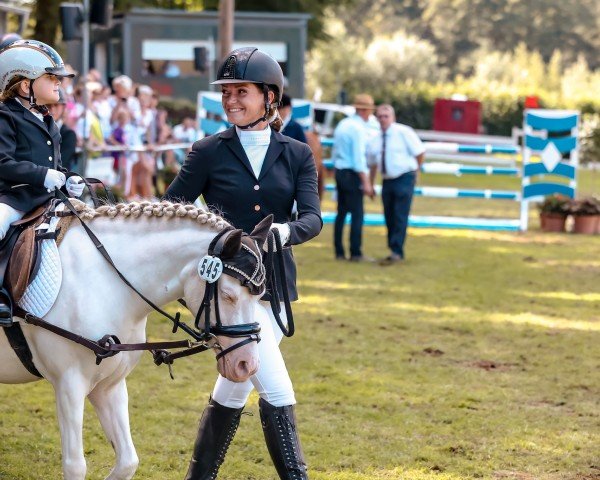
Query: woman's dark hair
[286,101]
[277,123]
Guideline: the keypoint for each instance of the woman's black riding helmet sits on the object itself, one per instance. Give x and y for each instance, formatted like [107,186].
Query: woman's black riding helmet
[250,65]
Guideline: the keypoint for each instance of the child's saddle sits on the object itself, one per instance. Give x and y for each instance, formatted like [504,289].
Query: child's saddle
[23,249]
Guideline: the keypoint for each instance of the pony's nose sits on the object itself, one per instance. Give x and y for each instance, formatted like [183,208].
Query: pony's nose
[245,369]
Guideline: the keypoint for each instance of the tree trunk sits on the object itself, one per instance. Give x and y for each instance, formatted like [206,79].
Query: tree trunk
[47,20]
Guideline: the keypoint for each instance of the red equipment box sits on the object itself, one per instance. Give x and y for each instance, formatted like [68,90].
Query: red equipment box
[461,116]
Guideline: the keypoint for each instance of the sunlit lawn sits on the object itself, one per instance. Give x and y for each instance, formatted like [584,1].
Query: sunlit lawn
[477,358]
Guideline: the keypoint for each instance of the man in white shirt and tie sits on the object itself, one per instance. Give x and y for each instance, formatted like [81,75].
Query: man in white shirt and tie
[398,154]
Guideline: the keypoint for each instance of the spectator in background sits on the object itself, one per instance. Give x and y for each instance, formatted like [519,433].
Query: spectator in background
[291,128]
[148,69]
[170,69]
[102,107]
[352,175]
[68,142]
[398,154]
[94,75]
[186,131]
[143,170]
[164,134]
[87,126]
[125,133]
[9,38]
[123,98]
[314,142]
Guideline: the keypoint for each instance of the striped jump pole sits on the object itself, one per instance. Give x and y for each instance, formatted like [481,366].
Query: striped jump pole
[494,161]
[449,147]
[458,169]
[447,192]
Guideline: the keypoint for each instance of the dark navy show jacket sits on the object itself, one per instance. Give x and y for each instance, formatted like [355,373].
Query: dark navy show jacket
[218,168]
[28,148]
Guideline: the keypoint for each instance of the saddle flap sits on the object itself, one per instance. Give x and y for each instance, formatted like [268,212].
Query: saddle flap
[30,217]
[22,262]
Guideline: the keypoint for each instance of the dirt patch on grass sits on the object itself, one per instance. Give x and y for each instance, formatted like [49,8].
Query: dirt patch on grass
[513,475]
[434,352]
[491,365]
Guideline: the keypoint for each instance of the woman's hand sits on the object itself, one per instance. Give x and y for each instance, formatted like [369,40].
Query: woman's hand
[284,234]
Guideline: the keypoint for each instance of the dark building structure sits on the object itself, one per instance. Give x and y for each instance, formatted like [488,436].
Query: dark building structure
[18,15]
[157,47]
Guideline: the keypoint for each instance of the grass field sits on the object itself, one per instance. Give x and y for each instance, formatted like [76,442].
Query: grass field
[478,358]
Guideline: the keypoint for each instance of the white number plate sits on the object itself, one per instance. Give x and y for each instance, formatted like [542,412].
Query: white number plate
[210,268]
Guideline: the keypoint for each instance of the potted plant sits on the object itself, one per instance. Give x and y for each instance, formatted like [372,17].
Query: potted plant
[586,215]
[553,212]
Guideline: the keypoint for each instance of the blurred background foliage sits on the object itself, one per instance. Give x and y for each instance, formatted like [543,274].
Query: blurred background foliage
[410,52]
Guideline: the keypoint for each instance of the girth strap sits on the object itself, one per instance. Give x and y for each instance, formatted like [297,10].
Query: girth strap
[17,341]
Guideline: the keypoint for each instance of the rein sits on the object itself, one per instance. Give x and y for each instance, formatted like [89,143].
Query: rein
[277,277]
[110,345]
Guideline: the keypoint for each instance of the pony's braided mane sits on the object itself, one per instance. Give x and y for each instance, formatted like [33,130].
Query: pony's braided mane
[151,209]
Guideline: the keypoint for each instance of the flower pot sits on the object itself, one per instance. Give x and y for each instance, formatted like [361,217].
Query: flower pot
[587,224]
[552,222]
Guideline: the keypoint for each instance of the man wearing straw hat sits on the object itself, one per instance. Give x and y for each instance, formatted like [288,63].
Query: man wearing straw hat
[352,175]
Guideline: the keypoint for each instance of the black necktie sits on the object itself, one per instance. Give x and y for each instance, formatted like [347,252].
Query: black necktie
[383,171]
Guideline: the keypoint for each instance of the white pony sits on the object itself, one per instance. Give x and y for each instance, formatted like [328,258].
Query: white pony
[158,247]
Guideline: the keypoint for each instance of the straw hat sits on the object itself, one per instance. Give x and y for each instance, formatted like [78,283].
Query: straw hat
[364,101]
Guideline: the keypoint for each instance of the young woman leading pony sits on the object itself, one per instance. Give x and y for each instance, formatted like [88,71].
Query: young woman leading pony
[248,172]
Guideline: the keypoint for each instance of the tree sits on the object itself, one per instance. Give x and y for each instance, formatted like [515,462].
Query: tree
[316,8]
[47,20]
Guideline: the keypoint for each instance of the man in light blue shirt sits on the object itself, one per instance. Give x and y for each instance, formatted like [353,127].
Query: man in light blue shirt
[398,153]
[352,180]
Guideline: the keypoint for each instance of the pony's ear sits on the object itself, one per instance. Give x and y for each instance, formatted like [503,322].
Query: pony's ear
[232,244]
[261,230]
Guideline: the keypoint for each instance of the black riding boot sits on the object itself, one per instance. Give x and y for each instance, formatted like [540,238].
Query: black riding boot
[5,309]
[281,435]
[215,432]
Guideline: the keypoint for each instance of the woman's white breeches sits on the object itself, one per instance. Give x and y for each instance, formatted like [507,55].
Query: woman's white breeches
[272,381]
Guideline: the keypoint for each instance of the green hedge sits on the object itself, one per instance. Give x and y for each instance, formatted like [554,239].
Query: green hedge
[414,106]
[177,109]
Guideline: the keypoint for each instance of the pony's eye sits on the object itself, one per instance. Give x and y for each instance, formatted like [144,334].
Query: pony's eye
[229,296]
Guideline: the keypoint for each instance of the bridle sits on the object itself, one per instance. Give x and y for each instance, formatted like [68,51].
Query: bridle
[210,269]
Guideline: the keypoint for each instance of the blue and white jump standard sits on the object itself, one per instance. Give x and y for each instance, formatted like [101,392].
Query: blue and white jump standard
[550,156]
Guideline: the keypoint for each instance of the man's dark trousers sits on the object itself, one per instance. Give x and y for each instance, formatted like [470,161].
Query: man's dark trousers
[397,194]
[350,199]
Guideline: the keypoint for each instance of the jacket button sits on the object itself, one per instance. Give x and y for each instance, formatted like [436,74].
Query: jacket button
[49,142]
[256,187]
[256,208]
[50,158]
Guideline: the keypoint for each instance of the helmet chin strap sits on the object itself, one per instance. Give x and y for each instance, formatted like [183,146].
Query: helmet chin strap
[43,109]
[266,116]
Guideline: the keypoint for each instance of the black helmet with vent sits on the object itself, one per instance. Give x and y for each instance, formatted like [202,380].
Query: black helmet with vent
[250,65]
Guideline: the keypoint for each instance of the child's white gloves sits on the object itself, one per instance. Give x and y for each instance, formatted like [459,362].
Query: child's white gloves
[54,179]
[75,188]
